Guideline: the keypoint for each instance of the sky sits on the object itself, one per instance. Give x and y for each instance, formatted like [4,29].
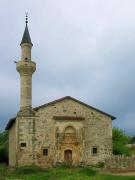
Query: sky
[82,48]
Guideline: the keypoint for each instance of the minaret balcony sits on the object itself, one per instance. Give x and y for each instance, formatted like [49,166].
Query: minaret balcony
[25,67]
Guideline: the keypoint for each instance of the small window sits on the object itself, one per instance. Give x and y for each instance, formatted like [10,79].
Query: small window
[23,144]
[58,135]
[94,150]
[45,152]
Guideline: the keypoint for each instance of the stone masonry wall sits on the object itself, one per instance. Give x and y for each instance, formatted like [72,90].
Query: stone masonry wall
[120,164]
[25,134]
[12,145]
[98,133]
[94,131]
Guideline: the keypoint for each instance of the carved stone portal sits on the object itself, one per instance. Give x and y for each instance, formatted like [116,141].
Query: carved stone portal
[69,147]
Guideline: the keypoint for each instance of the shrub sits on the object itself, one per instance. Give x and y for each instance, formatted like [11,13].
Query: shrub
[65,165]
[3,170]
[29,170]
[88,171]
[100,164]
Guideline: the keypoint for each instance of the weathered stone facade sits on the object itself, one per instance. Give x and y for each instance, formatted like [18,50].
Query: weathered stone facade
[60,126]
[62,130]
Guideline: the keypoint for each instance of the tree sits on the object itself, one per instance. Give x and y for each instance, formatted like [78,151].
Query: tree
[120,141]
[4,147]
[133,139]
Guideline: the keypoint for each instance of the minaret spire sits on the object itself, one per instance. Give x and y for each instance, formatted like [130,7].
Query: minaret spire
[26,36]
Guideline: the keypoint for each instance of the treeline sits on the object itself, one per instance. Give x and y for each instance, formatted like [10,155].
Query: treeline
[4,147]
[121,141]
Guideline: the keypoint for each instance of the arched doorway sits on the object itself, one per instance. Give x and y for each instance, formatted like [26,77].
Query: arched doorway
[68,156]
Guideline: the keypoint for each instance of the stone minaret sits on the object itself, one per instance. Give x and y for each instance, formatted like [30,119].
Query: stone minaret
[26,67]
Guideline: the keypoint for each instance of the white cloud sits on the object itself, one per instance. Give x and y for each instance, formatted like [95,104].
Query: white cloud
[83,48]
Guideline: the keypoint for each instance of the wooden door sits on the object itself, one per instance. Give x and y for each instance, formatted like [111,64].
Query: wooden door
[68,156]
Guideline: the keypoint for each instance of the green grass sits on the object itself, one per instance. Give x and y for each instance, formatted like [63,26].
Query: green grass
[59,173]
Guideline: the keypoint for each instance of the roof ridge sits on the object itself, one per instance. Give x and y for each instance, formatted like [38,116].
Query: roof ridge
[60,99]
[12,120]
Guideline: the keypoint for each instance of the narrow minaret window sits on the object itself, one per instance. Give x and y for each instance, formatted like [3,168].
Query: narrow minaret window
[26,67]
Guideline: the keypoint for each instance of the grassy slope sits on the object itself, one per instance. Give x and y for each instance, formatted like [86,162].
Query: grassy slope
[56,174]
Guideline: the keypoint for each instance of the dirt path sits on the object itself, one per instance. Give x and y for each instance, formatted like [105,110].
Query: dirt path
[125,174]
[130,173]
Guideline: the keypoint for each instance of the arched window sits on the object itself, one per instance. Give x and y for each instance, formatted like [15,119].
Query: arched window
[69,135]
[70,130]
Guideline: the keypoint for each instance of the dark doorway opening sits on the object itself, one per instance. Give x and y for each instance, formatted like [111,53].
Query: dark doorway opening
[68,156]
